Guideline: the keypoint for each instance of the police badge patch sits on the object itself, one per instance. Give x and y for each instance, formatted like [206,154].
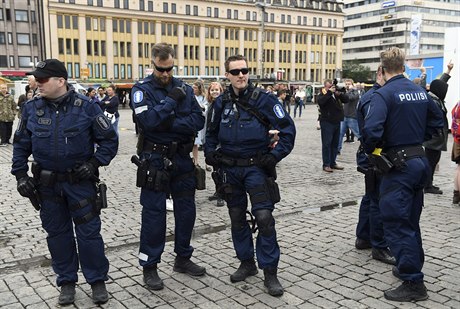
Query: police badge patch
[279,111]
[138,97]
[103,122]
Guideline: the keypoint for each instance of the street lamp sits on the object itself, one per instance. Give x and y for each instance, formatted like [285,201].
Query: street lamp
[262,6]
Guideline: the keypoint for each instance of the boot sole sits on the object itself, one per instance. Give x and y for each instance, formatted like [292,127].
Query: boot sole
[101,300]
[252,273]
[66,303]
[184,271]
[274,293]
[407,299]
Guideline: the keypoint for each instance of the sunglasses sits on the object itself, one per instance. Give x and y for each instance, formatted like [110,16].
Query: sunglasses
[42,80]
[236,72]
[162,70]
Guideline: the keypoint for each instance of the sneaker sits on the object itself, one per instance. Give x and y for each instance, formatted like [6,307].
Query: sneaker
[169,205]
[67,294]
[100,295]
[185,265]
[408,291]
[327,169]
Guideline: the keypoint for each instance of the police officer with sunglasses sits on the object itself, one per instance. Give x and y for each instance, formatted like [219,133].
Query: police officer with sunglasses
[238,146]
[169,118]
[59,127]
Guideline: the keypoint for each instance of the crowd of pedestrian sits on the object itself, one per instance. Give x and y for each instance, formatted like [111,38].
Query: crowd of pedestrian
[244,131]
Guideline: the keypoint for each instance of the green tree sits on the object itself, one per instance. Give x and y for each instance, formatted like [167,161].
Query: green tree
[359,73]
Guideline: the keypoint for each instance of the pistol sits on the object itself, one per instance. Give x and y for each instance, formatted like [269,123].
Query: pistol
[35,200]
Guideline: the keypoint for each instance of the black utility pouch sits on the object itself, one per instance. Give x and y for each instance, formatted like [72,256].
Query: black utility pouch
[200,175]
[101,197]
[150,179]
[273,190]
[47,178]
[162,179]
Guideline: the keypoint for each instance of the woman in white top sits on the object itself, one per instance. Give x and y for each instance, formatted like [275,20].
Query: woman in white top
[200,95]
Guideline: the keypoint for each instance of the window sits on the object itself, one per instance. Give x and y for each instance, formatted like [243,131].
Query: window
[116,4]
[23,38]
[97,69]
[115,25]
[128,49]
[122,26]
[122,49]
[126,4]
[12,61]
[61,46]
[128,26]
[187,10]
[216,12]
[115,49]
[122,71]
[165,7]
[130,72]
[141,5]
[96,48]
[299,20]
[102,24]
[69,69]
[74,22]
[272,17]
[68,46]
[195,10]
[104,70]
[90,2]
[103,48]
[248,15]
[150,6]
[24,62]
[100,3]
[75,47]
[208,11]
[77,70]
[95,25]
[115,71]
[229,14]
[87,23]
[3,61]
[173,8]
[67,21]
[139,50]
[1,14]
[89,47]
[289,19]
[283,19]
[59,21]
[10,38]
[235,14]
[21,15]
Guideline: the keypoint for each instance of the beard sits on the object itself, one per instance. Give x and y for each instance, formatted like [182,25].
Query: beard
[163,80]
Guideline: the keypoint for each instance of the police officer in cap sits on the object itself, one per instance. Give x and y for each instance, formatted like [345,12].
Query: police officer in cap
[400,117]
[168,117]
[59,128]
[237,144]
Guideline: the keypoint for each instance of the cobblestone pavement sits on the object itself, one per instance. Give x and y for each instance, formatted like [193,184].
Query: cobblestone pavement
[316,220]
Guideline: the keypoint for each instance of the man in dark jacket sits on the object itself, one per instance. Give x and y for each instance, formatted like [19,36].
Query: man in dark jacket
[331,114]
[349,111]
[434,146]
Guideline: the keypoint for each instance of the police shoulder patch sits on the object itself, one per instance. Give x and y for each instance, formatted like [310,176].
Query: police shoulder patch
[279,111]
[102,122]
[138,97]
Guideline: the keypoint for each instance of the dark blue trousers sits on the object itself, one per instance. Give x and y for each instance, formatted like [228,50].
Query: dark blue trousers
[153,228]
[401,203]
[56,219]
[330,133]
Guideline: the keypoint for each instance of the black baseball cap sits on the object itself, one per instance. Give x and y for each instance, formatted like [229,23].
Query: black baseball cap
[49,68]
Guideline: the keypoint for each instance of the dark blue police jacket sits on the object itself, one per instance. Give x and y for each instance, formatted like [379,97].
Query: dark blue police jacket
[62,134]
[240,134]
[400,114]
[162,119]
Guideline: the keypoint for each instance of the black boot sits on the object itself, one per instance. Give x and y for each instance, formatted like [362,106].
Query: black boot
[67,295]
[395,272]
[247,268]
[100,295]
[272,283]
[151,278]
[184,265]
[383,255]
[456,198]
[362,244]
[408,291]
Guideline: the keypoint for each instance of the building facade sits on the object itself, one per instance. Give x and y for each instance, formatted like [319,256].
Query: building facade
[20,38]
[112,39]
[372,26]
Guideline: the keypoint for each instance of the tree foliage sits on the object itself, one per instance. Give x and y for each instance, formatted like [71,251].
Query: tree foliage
[359,73]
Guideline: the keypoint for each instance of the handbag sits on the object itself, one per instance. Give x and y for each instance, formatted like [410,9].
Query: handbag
[110,116]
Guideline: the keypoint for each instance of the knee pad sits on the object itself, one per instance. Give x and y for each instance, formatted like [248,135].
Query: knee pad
[237,218]
[265,221]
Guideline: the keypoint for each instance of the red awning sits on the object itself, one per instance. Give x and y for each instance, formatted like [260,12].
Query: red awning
[13,73]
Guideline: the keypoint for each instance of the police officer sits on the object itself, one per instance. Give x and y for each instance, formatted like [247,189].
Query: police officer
[237,143]
[169,118]
[369,230]
[59,128]
[401,115]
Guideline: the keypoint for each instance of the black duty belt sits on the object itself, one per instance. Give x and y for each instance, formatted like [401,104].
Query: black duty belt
[168,150]
[407,152]
[230,161]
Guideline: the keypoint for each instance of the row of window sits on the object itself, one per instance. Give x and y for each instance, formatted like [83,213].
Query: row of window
[23,61]
[405,8]
[21,38]
[19,15]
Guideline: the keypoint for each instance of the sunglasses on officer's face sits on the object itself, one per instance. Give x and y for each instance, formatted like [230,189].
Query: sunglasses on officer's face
[42,80]
[162,70]
[236,72]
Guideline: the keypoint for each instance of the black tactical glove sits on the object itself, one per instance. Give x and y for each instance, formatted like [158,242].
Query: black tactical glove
[26,186]
[177,94]
[213,158]
[268,161]
[87,170]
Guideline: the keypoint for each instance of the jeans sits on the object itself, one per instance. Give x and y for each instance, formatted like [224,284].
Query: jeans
[351,123]
[330,141]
